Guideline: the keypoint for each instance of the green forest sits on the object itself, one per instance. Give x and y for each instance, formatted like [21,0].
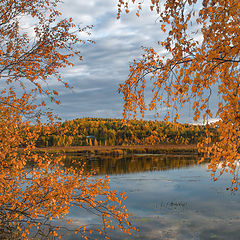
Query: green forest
[110,132]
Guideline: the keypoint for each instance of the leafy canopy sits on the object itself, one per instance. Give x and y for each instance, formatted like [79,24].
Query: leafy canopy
[202,45]
[36,189]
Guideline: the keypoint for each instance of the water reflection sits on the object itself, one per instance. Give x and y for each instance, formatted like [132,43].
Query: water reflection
[109,165]
[181,202]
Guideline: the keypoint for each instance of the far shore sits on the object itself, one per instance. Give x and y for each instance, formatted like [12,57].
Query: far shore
[120,150]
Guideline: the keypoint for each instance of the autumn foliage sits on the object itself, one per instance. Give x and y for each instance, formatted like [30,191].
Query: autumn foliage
[202,53]
[35,189]
[111,132]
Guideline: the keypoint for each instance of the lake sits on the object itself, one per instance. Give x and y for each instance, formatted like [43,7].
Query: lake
[170,196]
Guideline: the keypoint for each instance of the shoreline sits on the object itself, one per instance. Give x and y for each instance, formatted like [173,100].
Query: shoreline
[122,150]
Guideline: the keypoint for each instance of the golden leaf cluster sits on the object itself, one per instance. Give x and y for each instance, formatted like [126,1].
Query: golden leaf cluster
[35,189]
[202,45]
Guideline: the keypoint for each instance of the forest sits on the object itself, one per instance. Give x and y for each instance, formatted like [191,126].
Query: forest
[110,132]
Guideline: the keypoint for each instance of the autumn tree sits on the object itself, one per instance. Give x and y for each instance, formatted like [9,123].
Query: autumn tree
[35,189]
[202,53]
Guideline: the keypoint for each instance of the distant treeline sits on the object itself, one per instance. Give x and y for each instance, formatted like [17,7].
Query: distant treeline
[104,132]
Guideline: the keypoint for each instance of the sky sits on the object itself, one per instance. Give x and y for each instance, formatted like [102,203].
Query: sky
[105,65]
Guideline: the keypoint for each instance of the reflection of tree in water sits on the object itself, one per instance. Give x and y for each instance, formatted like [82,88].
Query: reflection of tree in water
[133,163]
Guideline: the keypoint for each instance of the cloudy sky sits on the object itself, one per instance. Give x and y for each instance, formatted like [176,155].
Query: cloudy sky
[105,64]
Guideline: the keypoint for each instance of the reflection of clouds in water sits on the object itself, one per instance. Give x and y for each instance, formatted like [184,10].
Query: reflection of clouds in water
[192,225]
[163,230]
[183,208]
[177,204]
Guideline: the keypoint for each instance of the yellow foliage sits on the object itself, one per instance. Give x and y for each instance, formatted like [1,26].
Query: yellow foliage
[35,189]
[202,51]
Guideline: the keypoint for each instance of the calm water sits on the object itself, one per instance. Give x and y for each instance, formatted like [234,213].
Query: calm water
[171,197]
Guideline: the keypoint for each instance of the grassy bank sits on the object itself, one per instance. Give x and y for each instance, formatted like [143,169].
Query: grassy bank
[123,150]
